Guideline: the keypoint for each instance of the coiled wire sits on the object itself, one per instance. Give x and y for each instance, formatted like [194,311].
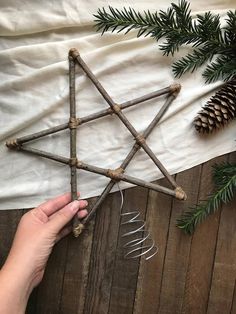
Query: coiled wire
[138,241]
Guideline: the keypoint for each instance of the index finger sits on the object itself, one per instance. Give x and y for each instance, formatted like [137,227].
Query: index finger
[53,205]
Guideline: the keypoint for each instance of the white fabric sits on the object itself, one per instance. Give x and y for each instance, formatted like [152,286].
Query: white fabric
[35,39]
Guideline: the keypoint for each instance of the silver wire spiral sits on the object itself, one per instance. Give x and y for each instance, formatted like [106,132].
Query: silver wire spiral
[138,241]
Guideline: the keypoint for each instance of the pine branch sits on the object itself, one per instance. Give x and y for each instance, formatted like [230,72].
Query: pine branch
[125,19]
[223,68]
[191,62]
[224,176]
[222,173]
[230,29]
[205,35]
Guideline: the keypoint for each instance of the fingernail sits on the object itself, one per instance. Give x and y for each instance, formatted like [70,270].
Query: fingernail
[74,206]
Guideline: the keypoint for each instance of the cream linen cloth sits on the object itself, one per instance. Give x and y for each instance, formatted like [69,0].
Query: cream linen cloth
[35,39]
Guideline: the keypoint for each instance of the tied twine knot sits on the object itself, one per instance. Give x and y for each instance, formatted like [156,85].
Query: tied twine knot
[116,108]
[78,230]
[175,89]
[140,139]
[73,123]
[13,144]
[74,53]
[180,194]
[73,162]
[115,174]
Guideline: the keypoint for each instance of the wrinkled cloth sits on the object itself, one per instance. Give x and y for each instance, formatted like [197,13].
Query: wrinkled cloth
[35,39]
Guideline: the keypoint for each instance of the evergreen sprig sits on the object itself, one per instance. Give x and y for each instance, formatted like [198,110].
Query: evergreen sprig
[224,176]
[209,41]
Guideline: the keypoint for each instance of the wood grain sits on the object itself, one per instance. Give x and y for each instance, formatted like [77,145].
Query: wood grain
[202,254]
[150,272]
[50,289]
[103,254]
[76,271]
[189,274]
[178,247]
[233,306]
[126,270]
[8,224]
[224,271]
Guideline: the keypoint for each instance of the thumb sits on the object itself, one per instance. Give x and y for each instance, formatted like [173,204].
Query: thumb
[63,216]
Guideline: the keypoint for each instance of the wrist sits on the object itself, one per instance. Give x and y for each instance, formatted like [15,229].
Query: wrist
[17,270]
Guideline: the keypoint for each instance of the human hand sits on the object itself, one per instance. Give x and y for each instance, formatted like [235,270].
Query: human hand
[38,231]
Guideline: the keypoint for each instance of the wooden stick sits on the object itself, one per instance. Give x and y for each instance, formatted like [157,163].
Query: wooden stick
[98,202]
[73,132]
[117,110]
[129,157]
[113,174]
[97,115]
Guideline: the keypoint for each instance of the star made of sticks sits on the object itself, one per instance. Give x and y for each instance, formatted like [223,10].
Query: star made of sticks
[114,174]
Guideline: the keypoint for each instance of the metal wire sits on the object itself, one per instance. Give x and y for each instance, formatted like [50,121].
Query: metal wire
[138,241]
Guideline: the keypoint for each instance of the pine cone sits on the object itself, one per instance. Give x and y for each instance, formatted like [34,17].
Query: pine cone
[219,110]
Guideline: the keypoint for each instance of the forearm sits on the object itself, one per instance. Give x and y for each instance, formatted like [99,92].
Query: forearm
[15,289]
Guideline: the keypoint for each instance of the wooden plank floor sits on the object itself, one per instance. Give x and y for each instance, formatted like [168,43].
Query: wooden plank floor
[190,274]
